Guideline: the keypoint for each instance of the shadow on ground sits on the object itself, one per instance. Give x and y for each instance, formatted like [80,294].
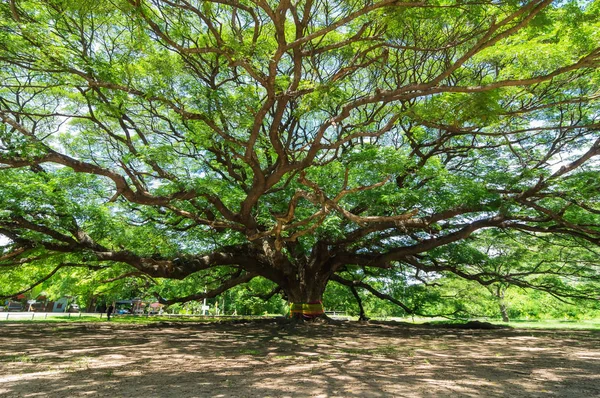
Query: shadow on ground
[267,359]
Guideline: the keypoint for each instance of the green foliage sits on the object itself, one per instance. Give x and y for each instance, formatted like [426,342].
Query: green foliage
[441,154]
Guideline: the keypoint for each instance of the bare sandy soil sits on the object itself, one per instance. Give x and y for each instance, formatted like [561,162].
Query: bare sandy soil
[266,359]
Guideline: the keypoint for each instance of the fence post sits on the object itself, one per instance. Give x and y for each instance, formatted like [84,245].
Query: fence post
[32,315]
[7,315]
[46,316]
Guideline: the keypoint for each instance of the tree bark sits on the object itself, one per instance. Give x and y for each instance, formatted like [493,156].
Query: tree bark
[362,316]
[502,303]
[306,298]
[304,291]
[503,311]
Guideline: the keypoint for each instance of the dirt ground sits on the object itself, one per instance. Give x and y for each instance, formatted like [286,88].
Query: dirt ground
[267,359]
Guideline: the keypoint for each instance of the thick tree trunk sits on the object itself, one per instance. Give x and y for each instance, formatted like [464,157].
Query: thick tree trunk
[305,293]
[306,299]
[303,279]
[92,304]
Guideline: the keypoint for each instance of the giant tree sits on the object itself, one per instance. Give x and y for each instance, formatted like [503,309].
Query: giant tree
[299,141]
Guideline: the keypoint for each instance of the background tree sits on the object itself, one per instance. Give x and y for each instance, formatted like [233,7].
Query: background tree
[299,141]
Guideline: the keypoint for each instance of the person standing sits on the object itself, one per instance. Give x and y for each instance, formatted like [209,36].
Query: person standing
[109,311]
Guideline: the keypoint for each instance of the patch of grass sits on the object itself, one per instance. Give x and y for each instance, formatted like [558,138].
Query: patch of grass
[591,324]
[23,358]
[249,351]
[83,362]
[73,365]
[566,324]
[128,319]
[55,319]
[440,346]
[386,351]
[356,351]
[177,319]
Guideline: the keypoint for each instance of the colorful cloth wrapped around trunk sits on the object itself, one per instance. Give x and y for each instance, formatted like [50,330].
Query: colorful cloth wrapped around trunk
[307,310]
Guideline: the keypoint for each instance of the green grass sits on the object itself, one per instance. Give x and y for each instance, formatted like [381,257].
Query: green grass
[120,319]
[177,319]
[56,319]
[588,324]
[249,351]
[23,358]
[591,324]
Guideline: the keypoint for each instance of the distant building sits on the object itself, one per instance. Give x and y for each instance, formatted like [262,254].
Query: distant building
[60,305]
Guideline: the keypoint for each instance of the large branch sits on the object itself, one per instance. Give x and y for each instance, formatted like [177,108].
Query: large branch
[156,266]
[349,18]
[354,284]
[123,188]
[235,280]
[401,253]
[43,279]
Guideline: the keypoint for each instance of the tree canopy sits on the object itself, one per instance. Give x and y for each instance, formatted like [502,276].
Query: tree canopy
[303,142]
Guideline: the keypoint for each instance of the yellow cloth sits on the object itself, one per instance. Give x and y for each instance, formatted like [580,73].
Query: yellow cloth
[307,309]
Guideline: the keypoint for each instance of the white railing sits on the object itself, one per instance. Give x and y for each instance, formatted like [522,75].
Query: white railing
[30,316]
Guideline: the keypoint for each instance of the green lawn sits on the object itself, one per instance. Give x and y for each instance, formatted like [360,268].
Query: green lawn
[590,324]
[593,324]
[75,318]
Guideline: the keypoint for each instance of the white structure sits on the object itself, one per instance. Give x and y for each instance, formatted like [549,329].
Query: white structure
[60,305]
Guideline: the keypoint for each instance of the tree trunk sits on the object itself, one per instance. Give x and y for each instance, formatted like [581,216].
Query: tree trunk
[306,301]
[92,304]
[305,294]
[361,317]
[503,311]
[303,278]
